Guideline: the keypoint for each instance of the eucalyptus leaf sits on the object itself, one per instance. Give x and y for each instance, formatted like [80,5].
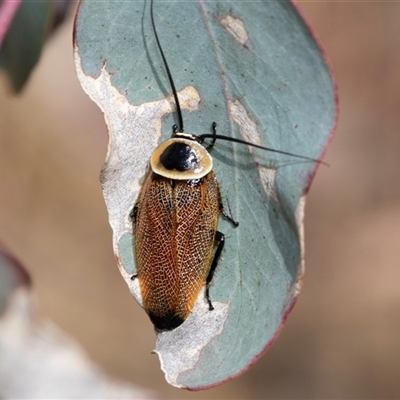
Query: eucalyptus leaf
[23,43]
[12,276]
[256,70]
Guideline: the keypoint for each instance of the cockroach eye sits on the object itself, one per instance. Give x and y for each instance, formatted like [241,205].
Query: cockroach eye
[179,156]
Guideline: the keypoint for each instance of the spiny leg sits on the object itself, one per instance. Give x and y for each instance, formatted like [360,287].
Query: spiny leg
[133,213]
[220,238]
[214,132]
[225,214]
[228,216]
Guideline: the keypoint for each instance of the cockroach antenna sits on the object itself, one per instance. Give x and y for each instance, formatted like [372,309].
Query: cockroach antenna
[214,136]
[179,127]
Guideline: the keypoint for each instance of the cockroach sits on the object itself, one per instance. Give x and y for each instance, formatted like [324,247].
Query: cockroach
[175,220]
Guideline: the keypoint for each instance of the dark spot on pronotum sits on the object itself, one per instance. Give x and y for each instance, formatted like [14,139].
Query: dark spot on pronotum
[178,156]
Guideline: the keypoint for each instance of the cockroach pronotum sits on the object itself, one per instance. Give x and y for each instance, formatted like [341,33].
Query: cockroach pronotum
[175,220]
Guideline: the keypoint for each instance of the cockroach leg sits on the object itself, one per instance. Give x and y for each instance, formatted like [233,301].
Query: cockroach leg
[220,238]
[226,215]
[214,132]
[133,213]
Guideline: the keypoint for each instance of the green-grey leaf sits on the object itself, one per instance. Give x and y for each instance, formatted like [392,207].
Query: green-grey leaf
[255,69]
[24,41]
[12,276]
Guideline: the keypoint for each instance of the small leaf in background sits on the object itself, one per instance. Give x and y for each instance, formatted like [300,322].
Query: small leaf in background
[30,27]
[255,69]
[37,359]
[8,9]
[12,276]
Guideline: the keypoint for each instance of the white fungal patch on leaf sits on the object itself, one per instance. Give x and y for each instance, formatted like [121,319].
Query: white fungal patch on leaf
[248,130]
[267,176]
[134,134]
[299,214]
[236,28]
[179,350]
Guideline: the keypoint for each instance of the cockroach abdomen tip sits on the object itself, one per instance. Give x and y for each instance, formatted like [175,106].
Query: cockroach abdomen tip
[166,322]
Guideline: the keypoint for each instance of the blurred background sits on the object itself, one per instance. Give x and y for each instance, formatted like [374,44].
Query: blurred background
[342,339]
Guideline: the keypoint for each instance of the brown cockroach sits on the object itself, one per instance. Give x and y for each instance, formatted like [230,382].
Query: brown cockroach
[175,221]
